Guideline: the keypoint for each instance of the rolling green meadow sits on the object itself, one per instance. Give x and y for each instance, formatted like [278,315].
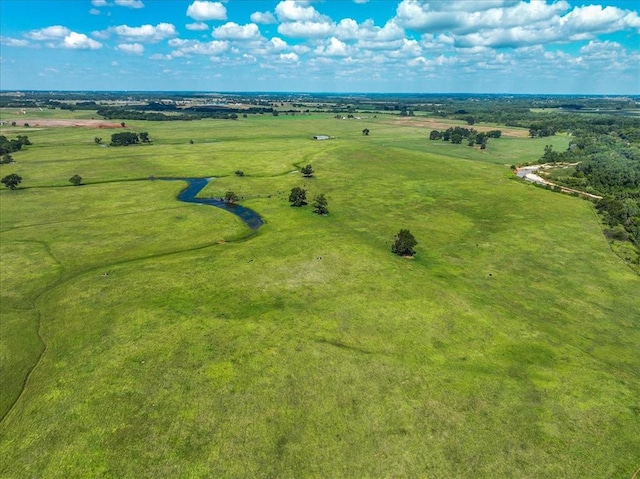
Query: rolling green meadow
[142,337]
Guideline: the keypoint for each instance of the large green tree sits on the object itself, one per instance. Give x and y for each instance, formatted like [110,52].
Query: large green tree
[298,196]
[230,197]
[404,243]
[307,171]
[12,181]
[320,205]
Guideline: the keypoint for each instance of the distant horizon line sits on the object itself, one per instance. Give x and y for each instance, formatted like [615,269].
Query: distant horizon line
[300,92]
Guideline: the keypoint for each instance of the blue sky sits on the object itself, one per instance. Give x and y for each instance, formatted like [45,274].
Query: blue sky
[471,46]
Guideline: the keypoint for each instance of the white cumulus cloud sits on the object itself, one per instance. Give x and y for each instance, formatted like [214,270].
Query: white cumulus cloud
[14,42]
[79,41]
[296,11]
[233,31]
[289,57]
[49,33]
[132,48]
[202,10]
[146,33]
[197,26]
[186,47]
[278,43]
[333,48]
[512,24]
[129,3]
[306,29]
[263,18]
[595,18]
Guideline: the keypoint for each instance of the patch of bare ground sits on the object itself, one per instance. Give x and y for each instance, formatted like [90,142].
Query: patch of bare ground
[57,122]
[528,173]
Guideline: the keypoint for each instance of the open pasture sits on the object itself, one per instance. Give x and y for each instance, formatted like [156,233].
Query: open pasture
[143,337]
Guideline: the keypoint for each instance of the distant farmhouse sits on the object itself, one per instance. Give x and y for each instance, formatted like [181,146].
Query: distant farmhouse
[320,137]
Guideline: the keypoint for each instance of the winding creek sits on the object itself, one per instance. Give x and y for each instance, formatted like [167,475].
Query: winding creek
[196,185]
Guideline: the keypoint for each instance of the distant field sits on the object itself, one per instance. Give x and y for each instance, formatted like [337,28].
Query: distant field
[599,111]
[169,340]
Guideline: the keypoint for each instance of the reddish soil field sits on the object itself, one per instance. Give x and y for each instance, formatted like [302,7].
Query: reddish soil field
[49,122]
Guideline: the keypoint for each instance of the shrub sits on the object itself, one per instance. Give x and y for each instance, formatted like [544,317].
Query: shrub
[76,180]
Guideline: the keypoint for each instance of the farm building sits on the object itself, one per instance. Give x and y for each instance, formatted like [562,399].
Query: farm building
[320,137]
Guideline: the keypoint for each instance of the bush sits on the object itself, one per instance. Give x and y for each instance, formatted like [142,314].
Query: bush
[76,180]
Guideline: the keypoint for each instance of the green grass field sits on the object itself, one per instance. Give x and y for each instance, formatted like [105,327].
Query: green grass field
[144,337]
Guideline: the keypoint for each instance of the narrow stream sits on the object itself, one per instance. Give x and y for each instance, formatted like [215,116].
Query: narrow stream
[188,195]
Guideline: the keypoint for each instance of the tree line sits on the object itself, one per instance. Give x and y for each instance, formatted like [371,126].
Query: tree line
[457,134]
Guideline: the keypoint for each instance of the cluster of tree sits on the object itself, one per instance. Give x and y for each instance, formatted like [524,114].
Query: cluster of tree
[184,114]
[13,145]
[79,105]
[127,138]
[208,111]
[127,114]
[541,130]
[457,134]
[298,198]
[202,111]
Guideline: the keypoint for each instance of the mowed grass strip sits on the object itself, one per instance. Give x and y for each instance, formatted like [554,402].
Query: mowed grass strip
[506,347]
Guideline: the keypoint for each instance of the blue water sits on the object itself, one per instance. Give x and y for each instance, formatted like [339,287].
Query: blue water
[188,195]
